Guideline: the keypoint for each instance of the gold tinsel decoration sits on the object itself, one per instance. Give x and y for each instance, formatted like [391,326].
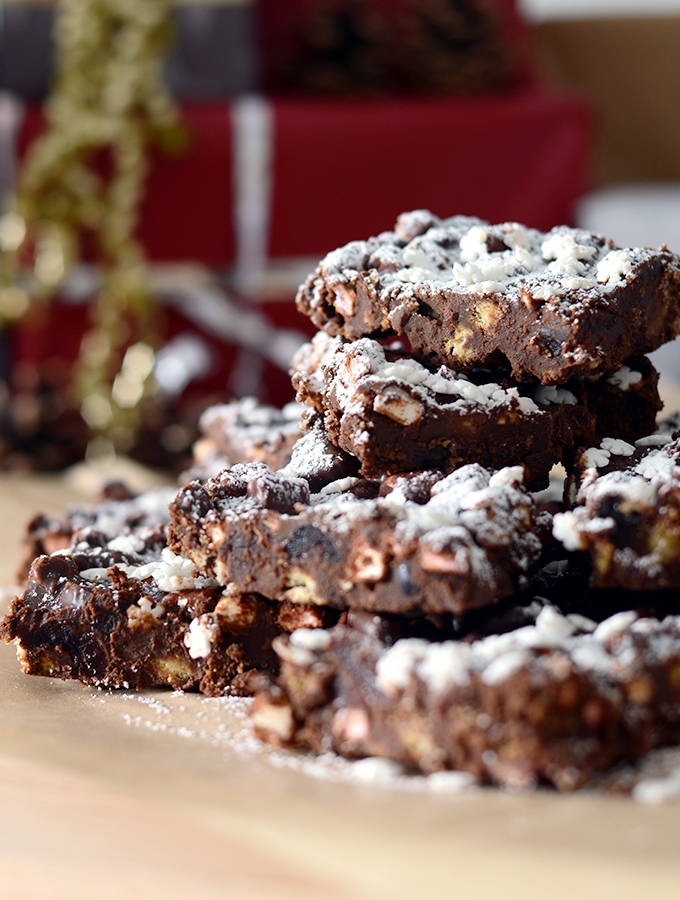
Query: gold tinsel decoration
[84,176]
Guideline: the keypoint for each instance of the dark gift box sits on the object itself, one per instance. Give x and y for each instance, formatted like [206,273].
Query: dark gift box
[215,52]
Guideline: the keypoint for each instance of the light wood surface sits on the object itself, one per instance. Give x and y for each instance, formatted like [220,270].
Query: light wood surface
[116,794]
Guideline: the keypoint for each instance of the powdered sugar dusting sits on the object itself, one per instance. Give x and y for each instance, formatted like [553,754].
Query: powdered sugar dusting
[222,724]
[342,370]
[124,520]
[478,258]
[608,651]
[311,453]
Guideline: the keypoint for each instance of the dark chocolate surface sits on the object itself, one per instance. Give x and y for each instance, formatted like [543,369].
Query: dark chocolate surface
[555,700]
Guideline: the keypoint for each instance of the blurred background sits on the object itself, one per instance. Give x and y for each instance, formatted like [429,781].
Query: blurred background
[171,171]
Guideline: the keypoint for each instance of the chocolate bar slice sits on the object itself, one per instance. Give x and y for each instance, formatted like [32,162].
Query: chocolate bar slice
[464,293]
[398,415]
[413,544]
[116,512]
[552,702]
[129,613]
[241,431]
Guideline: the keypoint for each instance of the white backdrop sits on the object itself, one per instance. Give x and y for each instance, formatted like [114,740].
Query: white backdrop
[540,10]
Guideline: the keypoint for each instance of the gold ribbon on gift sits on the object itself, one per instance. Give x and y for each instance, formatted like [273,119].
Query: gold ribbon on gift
[83,179]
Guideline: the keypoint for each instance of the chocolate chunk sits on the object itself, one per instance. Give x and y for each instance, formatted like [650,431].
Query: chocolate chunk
[316,459]
[307,538]
[48,571]
[278,494]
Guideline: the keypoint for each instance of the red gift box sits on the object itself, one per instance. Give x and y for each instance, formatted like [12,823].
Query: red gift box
[186,212]
[342,170]
[335,170]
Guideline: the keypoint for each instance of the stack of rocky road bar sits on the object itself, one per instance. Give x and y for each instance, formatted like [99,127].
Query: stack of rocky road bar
[397,581]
